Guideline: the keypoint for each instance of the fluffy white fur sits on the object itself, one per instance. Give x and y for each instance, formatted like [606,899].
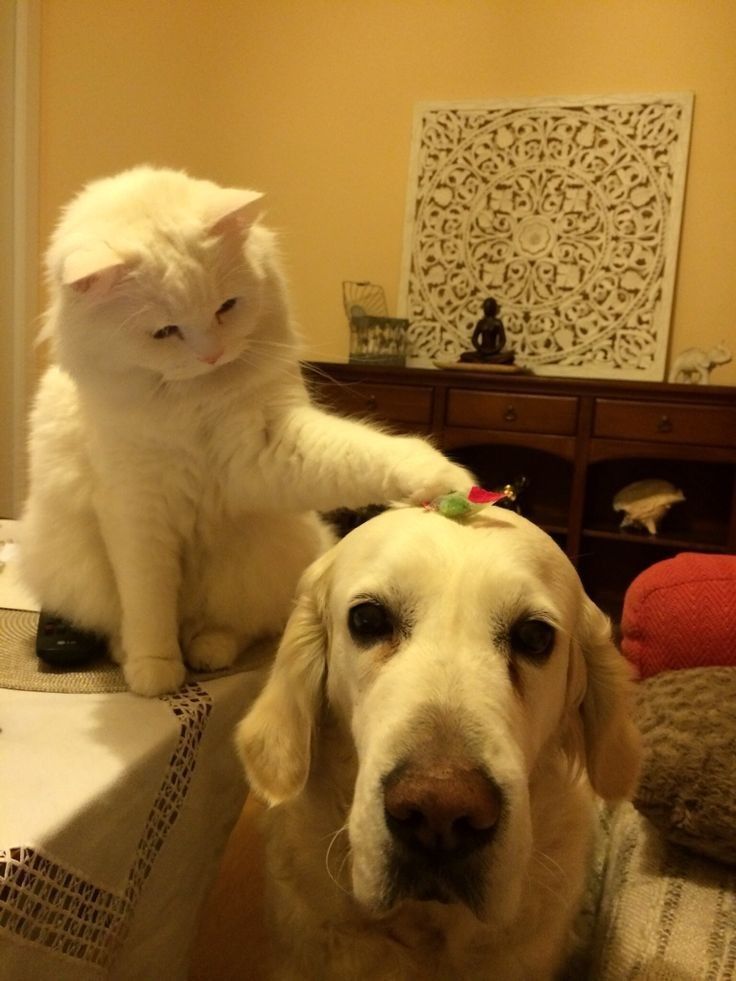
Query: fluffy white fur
[444,694]
[176,458]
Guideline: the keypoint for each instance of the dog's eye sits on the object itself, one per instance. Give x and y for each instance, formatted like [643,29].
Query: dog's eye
[369,621]
[533,638]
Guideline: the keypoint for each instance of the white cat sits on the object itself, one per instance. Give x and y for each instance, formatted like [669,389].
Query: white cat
[176,458]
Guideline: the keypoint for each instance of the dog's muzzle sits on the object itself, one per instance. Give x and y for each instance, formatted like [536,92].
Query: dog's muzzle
[442,819]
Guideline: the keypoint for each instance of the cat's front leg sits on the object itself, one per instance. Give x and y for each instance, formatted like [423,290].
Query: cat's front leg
[317,460]
[145,559]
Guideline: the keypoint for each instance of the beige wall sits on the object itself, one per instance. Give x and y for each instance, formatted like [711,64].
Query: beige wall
[7,347]
[311,101]
[19,29]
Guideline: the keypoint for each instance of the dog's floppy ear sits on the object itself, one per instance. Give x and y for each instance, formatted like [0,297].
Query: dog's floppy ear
[612,743]
[274,739]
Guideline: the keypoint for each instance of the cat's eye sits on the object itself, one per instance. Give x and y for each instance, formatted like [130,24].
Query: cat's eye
[533,638]
[369,621]
[227,305]
[166,331]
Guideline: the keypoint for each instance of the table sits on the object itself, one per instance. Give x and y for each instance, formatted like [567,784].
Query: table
[114,811]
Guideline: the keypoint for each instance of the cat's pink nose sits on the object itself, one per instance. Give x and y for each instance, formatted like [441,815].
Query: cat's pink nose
[211,358]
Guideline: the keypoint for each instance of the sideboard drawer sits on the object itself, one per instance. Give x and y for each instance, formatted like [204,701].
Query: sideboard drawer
[393,403]
[672,422]
[556,414]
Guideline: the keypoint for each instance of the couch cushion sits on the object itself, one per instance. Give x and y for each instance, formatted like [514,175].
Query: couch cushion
[665,913]
[688,786]
[681,613]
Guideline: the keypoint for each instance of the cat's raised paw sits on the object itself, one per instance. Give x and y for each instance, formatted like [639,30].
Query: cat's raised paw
[426,474]
[212,650]
[151,676]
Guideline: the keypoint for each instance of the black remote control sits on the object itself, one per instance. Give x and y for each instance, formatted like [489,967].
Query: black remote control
[60,644]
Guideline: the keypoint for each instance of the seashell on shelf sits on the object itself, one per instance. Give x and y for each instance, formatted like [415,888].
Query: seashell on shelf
[645,502]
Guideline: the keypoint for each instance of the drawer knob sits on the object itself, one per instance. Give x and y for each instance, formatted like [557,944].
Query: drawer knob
[664,425]
[510,415]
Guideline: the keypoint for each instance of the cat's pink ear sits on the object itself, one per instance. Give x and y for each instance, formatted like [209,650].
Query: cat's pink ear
[233,210]
[94,271]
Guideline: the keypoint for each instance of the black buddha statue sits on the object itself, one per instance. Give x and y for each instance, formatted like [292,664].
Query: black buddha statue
[489,338]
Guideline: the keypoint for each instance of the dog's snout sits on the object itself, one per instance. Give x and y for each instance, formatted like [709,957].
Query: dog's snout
[444,810]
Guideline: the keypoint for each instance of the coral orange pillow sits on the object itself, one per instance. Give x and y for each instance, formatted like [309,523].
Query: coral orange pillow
[681,613]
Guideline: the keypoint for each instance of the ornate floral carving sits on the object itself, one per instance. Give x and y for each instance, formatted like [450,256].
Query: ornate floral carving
[567,213]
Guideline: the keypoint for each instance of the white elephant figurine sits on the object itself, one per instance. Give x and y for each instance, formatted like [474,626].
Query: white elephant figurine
[693,365]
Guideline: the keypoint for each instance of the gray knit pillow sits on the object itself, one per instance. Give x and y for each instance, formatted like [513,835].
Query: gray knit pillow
[688,788]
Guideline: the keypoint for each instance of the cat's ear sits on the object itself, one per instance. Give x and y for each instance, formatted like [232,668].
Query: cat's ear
[93,271]
[233,210]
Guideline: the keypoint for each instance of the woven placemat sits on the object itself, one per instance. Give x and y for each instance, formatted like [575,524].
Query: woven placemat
[21,669]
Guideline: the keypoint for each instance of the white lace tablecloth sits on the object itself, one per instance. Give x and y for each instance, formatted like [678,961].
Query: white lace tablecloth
[114,811]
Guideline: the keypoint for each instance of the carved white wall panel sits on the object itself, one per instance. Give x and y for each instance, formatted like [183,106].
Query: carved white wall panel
[566,211]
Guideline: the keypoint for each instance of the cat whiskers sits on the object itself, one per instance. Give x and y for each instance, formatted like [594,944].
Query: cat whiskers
[277,351]
[322,373]
[131,317]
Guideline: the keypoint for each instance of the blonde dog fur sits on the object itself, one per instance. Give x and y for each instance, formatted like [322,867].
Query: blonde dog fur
[443,690]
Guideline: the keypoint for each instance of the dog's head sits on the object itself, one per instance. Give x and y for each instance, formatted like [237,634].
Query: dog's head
[461,659]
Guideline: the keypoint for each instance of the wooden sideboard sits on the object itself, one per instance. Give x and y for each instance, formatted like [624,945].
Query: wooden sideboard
[578,441]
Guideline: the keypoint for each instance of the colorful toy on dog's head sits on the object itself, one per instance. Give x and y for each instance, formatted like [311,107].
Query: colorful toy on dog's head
[457,505]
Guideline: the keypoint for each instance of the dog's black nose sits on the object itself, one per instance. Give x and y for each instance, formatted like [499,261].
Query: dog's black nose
[446,810]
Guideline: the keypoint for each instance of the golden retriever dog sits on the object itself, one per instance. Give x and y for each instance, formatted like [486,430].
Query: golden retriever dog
[444,706]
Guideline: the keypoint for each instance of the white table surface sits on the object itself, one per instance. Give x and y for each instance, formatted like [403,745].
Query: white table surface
[114,813]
